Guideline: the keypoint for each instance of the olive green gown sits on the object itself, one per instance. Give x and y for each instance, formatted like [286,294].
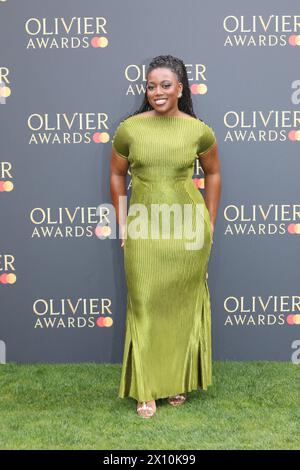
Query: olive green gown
[167,346]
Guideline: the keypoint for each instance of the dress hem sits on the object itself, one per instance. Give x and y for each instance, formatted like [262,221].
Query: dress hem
[169,395]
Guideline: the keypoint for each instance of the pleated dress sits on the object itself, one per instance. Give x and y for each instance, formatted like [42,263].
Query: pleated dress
[167,347]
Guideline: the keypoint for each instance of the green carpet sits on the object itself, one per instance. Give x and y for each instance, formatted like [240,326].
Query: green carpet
[251,405]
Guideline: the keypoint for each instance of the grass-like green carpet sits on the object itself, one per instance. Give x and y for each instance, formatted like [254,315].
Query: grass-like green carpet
[251,405]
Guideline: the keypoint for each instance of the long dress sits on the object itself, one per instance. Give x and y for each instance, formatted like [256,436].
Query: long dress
[167,347]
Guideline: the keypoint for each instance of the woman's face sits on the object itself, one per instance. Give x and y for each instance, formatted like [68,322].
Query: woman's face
[163,89]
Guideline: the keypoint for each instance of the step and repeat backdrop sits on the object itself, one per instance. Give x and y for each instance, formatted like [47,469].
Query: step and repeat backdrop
[70,71]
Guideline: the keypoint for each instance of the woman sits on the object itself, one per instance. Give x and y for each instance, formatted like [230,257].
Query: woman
[167,350]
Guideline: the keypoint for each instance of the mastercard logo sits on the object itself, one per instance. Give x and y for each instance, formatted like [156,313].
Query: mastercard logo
[100,137]
[99,41]
[104,322]
[102,231]
[5,91]
[9,278]
[294,40]
[294,229]
[294,135]
[6,186]
[199,183]
[199,89]
[293,319]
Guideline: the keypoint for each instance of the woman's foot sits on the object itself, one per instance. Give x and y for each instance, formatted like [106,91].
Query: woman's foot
[146,409]
[177,400]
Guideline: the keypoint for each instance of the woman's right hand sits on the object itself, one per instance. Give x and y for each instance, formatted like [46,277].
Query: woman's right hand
[122,235]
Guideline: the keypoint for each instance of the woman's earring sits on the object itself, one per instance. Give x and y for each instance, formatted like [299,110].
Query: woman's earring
[180,95]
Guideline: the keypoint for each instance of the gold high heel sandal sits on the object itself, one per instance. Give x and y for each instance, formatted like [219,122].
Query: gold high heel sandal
[144,410]
[177,400]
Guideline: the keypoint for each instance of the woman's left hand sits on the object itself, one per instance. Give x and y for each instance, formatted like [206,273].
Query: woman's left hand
[212,229]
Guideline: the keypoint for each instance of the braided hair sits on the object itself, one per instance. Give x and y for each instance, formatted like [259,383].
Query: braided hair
[177,66]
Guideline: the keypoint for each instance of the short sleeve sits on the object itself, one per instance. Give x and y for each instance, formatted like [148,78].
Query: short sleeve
[206,140]
[120,141]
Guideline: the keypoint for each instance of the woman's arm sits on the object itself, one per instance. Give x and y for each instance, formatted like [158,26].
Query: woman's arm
[210,164]
[118,170]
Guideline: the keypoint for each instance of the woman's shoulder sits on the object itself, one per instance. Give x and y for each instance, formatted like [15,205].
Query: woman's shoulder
[129,121]
[142,115]
[206,127]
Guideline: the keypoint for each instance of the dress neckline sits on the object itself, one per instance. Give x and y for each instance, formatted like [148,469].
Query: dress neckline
[163,117]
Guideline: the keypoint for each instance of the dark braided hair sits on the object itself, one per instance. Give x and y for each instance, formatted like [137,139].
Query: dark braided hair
[177,66]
